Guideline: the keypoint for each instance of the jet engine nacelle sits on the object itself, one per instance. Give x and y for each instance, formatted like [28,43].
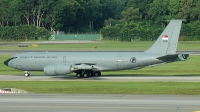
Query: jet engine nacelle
[183,57]
[57,69]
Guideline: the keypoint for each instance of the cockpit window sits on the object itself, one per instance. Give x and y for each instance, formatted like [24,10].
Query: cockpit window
[13,57]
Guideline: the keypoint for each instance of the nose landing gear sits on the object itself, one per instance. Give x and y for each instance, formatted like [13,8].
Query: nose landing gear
[27,74]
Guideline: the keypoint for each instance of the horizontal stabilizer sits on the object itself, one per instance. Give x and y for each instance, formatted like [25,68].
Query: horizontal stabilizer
[170,56]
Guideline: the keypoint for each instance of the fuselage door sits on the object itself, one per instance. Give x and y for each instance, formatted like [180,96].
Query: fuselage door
[119,64]
[64,59]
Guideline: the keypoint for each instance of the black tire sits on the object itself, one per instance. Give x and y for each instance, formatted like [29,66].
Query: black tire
[78,75]
[97,73]
[26,75]
[86,75]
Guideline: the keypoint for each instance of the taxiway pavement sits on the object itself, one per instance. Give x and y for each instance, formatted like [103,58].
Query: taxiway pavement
[102,78]
[98,103]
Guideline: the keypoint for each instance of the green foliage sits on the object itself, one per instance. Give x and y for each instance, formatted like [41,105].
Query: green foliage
[23,32]
[191,31]
[144,20]
[122,19]
[158,7]
[132,14]
[131,32]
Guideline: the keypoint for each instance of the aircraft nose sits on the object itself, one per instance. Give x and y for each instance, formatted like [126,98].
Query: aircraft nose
[6,62]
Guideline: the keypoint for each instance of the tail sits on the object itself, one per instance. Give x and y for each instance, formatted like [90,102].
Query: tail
[168,40]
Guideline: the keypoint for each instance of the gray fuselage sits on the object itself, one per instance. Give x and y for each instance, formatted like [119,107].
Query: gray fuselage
[103,61]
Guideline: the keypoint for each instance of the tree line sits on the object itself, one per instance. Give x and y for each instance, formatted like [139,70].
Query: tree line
[145,20]
[74,15]
[23,33]
[124,20]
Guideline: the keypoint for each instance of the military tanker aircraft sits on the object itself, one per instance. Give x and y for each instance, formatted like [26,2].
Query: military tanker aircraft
[88,64]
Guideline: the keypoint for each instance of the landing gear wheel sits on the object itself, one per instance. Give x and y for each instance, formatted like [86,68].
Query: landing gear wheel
[85,75]
[97,73]
[78,75]
[27,74]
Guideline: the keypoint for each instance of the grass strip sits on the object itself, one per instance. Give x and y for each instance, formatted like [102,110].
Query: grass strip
[103,45]
[95,87]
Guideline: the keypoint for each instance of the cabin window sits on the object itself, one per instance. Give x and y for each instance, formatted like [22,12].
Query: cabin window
[13,57]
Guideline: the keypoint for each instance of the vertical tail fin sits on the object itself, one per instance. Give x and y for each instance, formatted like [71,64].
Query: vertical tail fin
[168,40]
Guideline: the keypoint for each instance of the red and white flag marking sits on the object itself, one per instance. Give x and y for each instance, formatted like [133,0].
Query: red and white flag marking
[165,37]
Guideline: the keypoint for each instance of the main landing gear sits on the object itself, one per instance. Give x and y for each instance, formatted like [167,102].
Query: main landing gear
[79,74]
[27,74]
[86,74]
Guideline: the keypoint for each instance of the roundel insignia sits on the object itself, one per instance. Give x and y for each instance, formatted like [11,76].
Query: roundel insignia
[133,60]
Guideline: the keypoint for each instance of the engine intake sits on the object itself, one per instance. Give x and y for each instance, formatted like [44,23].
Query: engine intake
[57,69]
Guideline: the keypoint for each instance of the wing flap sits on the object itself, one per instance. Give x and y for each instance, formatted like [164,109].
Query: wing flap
[85,63]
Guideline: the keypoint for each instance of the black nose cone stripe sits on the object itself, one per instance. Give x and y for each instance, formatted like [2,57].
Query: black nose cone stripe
[6,62]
